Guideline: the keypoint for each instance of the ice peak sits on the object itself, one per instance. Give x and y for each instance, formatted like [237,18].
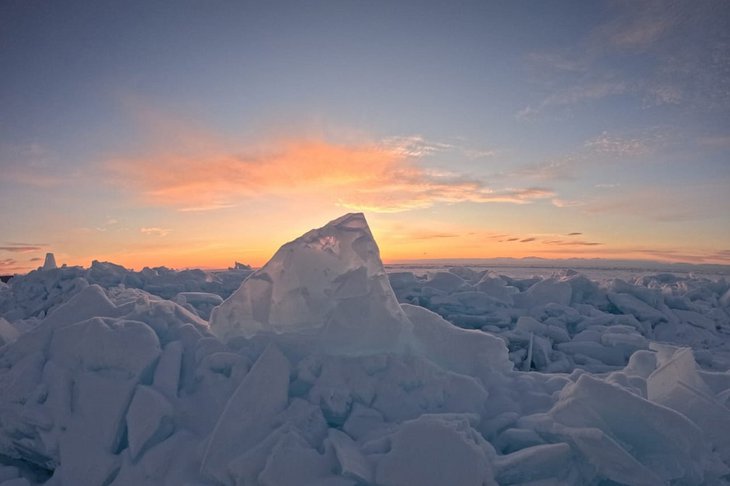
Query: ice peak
[351,221]
[328,284]
[50,262]
[360,217]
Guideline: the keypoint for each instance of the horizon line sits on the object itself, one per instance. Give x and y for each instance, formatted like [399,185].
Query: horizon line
[494,261]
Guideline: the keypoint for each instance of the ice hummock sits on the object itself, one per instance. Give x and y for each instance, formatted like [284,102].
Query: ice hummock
[328,284]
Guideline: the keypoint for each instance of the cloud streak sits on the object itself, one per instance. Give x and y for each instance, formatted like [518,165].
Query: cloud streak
[31,165]
[550,240]
[414,146]
[663,204]
[573,95]
[598,150]
[571,243]
[21,248]
[620,146]
[7,262]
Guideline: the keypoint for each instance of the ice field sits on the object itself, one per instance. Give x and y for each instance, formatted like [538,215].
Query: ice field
[323,368]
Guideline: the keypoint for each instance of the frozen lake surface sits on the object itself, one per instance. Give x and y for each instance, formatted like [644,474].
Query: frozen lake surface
[325,368]
[594,272]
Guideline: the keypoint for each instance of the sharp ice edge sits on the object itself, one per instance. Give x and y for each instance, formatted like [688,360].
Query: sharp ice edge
[323,369]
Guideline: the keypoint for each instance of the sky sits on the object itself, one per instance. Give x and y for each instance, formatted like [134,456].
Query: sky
[196,133]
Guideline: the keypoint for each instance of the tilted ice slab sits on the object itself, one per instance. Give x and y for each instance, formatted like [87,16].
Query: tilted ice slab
[328,284]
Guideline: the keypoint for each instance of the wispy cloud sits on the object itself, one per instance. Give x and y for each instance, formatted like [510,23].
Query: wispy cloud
[420,234]
[621,146]
[109,224]
[213,206]
[663,93]
[563,168]
[153,231]
[571,243]
[415,146]
[21,248]
[677,204]
[383,177]
[551,240]
[557,61]
[575,94]
[418,146]
[653,52]
[645,253]
[10,266]
[7,262]
[403,195]
[31,165]
[579,93]
[21,243]
[432,236]
[715,141]
[606,147]
[565,203]
[643,28]
[478,154]
[684,255]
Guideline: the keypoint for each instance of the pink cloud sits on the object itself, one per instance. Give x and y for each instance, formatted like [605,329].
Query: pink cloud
[380,177]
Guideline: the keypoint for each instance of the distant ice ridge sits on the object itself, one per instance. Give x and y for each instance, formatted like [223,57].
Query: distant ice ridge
[566,321]
[33,296]
[111,385]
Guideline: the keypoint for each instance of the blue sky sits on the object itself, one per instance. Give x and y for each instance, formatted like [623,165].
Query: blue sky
[196,132]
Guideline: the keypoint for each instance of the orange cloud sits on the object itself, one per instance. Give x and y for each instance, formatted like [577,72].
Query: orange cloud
[370,176]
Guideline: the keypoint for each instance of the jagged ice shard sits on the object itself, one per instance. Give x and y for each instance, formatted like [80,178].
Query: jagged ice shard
[328,285]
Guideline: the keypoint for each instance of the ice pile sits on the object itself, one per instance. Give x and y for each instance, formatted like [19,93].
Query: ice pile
[567,321]
[116,386]
[33,296]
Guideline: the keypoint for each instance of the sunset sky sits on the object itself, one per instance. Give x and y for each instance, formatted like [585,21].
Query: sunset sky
[195,133]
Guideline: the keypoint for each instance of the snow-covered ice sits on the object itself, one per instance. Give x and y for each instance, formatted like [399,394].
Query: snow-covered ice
[323,369]
[574,322]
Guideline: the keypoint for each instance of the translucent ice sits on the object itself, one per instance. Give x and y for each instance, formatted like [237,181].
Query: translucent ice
[328,284]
